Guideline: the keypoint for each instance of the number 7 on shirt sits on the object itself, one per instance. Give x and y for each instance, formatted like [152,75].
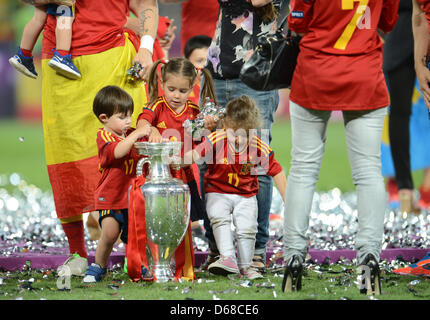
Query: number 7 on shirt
[343,40]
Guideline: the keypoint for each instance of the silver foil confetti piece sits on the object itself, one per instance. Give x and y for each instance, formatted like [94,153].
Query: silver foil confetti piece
[245,283]
[229,290]
[186,290]
[414,282]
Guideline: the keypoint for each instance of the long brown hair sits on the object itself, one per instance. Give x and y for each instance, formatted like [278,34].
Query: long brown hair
[267,13]
[181,67]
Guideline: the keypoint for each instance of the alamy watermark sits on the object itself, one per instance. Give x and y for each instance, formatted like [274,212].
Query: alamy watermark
[64,278]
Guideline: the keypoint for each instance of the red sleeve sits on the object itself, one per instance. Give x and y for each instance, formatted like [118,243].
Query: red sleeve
[106,146]
[389,15]
[301,13]
[274,166]
[148,115]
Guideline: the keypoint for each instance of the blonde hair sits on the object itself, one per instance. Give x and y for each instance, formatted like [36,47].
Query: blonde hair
[242,113]
[181,67]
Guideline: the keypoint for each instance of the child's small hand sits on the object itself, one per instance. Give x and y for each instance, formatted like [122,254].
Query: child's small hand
[143,131]
[155,136]
[210,122]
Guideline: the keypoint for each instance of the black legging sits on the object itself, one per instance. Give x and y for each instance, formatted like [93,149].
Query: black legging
[401,82]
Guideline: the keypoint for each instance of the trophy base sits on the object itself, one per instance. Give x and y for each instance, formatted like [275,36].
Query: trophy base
[162,272]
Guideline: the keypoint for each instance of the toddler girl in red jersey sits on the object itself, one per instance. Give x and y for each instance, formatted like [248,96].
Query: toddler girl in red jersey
[117,164]
[231,184]
[166,114]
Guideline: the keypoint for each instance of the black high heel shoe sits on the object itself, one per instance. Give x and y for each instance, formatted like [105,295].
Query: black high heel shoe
[293,275]
[370,276]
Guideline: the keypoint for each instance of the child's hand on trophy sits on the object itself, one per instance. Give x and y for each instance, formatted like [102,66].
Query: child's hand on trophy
[143,131]
[155,135]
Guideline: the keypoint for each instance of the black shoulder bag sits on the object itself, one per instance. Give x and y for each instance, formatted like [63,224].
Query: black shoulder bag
[272,64]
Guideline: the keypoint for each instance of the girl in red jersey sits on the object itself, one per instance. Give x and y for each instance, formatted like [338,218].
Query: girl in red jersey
[339,68]
[231,184]
[166,114]
[117,164]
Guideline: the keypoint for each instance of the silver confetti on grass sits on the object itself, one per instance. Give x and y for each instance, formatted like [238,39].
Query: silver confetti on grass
[28,222]
[333,225]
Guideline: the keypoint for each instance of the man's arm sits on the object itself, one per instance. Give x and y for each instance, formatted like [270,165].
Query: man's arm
[421,48]
[147,13]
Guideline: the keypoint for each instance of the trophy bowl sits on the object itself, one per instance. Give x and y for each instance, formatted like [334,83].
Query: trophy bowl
[167,206]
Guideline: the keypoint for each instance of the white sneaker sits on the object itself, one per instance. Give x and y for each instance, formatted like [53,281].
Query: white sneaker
[75,265]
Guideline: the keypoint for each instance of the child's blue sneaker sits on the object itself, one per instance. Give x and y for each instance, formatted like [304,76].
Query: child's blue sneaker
[64,65]
[23,64]
[94,273]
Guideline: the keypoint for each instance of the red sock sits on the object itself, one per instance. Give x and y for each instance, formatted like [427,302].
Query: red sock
[27,53]
[75,235]
[63,52]
[425,194]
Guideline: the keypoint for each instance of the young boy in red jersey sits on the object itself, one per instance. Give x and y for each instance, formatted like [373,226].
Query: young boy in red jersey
[117,162]
[231,184]
[196,50]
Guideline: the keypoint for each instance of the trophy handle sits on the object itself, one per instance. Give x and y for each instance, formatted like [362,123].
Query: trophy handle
[139,166]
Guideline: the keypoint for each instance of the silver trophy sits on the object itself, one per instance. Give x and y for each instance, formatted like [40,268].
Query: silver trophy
[196,126]
[167,205]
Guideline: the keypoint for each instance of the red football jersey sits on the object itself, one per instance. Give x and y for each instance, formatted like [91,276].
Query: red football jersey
[116,174]
[192,23]
[170,124]
[340,62]
[235,172]
[98,26]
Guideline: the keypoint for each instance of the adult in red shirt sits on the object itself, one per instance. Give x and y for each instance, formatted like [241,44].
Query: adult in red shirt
[339,68]
[102,47]
[198,17]
[421,30]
